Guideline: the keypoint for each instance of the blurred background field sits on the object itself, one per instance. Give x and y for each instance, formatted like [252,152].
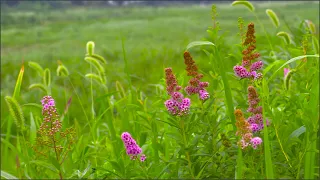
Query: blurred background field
[155,37]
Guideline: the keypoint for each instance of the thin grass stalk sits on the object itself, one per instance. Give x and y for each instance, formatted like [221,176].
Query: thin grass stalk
[185,143]
[284,153]
[311,134]
[8,135]
[126,63]
[130,94]
[239,166]
[85,114]
[91,93]
[267,154]
[264,29]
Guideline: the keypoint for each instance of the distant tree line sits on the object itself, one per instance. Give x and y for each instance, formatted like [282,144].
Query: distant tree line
[65,3]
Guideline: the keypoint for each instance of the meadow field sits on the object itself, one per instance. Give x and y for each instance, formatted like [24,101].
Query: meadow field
[109,70]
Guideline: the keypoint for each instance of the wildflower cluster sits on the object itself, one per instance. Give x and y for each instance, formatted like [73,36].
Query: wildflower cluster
[255,120]
[132,148]
[51,136]
[195,85]
[248,69]
[51,123]
[245,132]
[177,104]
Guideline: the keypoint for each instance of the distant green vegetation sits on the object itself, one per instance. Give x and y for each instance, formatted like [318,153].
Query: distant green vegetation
[140,42]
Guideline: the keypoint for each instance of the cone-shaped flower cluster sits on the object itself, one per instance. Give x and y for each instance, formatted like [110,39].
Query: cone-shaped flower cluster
[51,124]
[195,85]
[177,104]
[255,120]
[248,69]
[132,148]
[245,132]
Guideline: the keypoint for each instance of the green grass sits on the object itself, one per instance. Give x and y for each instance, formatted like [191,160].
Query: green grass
[138,43]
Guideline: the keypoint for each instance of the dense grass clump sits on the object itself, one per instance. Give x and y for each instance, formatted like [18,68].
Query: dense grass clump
[226,91]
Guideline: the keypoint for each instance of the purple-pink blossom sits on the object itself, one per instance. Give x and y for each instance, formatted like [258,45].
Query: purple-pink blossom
[255,142]
[51,123]
[132,148]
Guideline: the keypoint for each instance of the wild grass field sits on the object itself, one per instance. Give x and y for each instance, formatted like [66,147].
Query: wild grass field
[110,70]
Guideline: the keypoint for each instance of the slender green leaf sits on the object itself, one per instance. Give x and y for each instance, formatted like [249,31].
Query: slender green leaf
[315,44]
[33,129]
[267,153]
[199,43]
[290,61]
[7,175]
[239,167]
[296,133]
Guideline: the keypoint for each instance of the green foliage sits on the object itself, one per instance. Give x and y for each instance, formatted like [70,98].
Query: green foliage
[127,49]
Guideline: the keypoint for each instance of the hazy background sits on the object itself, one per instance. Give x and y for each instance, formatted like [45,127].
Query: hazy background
[156,33]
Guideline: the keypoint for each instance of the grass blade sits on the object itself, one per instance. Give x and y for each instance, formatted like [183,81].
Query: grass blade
[312,131]
[198,43]
[227,89]
[33,129]
[7,175]
[239,171]
[290,61]
[267,153]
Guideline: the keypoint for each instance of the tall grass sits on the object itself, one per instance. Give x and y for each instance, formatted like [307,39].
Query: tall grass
[112,81]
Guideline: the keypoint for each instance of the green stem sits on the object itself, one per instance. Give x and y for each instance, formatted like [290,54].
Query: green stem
[55,149]
[85,114]
[286,156]
[126,64]
[264,29]
[91,92]
[310,157]
[185,146]
[239,170]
